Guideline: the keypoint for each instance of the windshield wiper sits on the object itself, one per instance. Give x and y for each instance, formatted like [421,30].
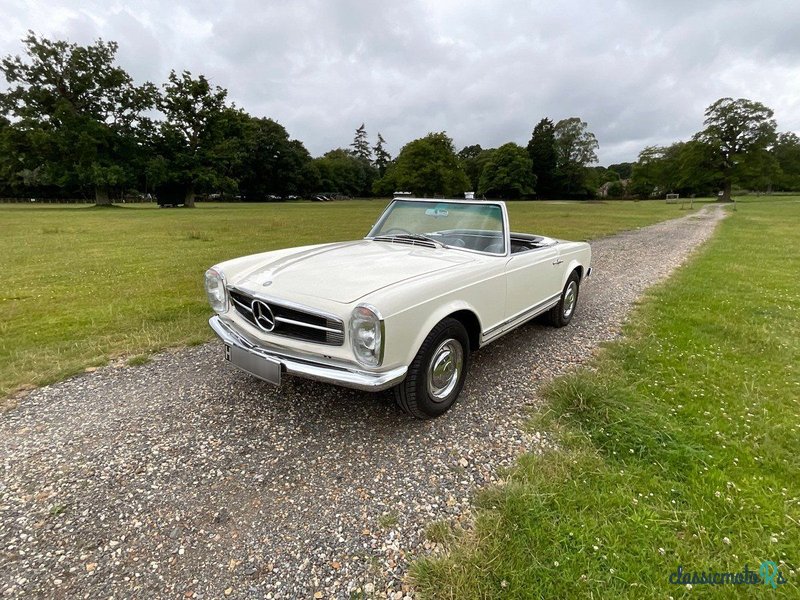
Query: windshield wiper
[420,236]
[410,236]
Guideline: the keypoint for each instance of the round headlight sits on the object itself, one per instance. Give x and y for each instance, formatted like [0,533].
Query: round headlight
[366,335]
[215,290]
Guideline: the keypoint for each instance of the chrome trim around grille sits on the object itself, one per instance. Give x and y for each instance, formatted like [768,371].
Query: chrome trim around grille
[237,303]
[317,327]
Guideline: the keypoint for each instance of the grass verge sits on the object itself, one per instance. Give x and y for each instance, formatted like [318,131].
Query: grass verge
[82,286]
[679,444]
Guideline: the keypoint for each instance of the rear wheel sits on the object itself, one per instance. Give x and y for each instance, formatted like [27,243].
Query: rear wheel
[437,373]
[561,314]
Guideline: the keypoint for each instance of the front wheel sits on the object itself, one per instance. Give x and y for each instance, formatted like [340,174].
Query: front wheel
[437,373]
[561,314]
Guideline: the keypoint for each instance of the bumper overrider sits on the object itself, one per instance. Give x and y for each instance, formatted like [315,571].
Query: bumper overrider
[308,366]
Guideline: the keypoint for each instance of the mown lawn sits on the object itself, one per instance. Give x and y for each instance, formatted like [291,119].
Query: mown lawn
[82,285]
[680,444]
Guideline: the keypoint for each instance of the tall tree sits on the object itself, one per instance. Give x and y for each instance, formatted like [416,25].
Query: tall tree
[80,112]
[472,159]
[734,129]
[656,172]
[508,173]
[623,170]
[382,157]
[787,152]
[8,163]
[696,166]
[342,172]
[542,152]
[760,172]
[426,166]
[683,167]
[272,164]
[198,137]
[360,144]
[576,148]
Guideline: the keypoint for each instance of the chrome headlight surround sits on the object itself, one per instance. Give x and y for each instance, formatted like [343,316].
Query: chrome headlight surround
[216,290]
[367,335]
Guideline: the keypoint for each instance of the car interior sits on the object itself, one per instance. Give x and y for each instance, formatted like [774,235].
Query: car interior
[522,242]
[485,241]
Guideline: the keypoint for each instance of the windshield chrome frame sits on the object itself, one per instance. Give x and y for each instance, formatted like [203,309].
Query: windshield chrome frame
[506,234]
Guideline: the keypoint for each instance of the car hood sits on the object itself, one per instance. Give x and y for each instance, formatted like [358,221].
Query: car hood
[345,272]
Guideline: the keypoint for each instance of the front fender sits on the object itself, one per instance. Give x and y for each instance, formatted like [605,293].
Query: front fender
[406,331]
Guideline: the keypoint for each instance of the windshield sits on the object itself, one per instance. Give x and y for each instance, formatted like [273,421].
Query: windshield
[471,226]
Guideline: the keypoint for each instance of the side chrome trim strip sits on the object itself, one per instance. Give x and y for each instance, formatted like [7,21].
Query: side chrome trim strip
[521,317]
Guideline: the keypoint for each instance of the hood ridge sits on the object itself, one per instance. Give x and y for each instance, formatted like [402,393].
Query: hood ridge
[337,272]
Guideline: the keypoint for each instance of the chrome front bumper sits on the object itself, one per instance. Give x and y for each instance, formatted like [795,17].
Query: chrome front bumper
[312,367]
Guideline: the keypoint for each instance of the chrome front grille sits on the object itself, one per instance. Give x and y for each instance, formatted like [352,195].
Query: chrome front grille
[295,322]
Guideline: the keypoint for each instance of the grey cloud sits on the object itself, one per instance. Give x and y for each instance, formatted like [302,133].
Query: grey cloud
[638,72]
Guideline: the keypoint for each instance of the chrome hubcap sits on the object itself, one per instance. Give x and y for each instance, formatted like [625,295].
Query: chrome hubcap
[445,369]
[570,296]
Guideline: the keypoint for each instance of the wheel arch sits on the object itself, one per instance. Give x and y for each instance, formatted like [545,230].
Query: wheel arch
[471,323]
[433,384]
[424,322]
[574,265]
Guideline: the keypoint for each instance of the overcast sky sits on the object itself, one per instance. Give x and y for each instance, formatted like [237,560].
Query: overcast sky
[639,72]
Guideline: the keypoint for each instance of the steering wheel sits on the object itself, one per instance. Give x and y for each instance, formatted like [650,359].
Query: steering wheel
[400,229]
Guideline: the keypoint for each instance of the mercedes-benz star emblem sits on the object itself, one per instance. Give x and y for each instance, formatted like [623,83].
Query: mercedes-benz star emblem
[263,316]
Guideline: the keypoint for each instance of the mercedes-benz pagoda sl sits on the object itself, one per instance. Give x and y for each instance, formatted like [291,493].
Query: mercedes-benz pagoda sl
[403,308]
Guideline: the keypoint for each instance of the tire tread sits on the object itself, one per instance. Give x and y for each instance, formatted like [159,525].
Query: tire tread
[555,316]
[405,393]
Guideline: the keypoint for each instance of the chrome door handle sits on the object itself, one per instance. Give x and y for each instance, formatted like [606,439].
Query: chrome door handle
[557,262]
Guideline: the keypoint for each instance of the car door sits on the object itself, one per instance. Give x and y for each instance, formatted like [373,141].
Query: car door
[533,279]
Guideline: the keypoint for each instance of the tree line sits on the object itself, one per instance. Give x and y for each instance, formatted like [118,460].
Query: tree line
[739,146]
[74,124]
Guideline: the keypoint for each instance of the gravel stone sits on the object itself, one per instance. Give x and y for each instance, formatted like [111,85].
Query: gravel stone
[185,477]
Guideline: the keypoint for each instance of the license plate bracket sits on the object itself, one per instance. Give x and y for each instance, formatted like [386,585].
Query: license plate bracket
[262,367]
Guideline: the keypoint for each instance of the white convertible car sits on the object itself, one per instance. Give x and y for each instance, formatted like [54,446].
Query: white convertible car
[403,308]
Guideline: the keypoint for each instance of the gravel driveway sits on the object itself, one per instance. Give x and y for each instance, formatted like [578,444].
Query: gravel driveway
[186,478]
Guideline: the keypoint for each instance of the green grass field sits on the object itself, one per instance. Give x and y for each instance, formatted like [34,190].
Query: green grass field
[680,444]
[83,285]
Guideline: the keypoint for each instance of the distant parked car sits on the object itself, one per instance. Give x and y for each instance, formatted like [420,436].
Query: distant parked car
[402,308]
